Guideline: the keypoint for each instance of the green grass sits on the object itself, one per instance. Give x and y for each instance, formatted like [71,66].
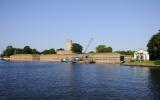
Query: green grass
[147,63]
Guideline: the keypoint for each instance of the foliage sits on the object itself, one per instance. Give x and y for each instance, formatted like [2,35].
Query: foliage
[76,48]
[60,49]
[91,52]
[103,49]
[157,62]
[10,51]
[154,47]
[34,51]
[27,50]
[50,51]
[128,52]
[18,51]
[147,63]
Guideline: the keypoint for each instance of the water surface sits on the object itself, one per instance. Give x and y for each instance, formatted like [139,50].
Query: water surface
[64,81]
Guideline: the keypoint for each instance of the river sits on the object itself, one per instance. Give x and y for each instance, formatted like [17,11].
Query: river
[64,81]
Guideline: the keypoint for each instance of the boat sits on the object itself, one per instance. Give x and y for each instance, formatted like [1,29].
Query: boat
[5,59]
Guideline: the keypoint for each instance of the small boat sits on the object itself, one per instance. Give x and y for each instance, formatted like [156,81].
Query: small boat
[74,60]
[5,59]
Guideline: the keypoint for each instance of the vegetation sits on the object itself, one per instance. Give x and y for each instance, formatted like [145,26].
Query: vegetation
[26,50]
[60,49]
[91,52]
[154,47]
[76,48]
[8,51]
[50,51]
[128,52]
[103,49]
[146,63]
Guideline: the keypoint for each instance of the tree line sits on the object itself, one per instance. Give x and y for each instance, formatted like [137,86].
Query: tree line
[76,48]
[154,47]
[10,50]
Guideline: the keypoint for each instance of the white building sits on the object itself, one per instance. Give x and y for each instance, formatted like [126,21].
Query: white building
[141,55]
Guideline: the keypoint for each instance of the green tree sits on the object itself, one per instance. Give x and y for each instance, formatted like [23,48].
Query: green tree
[76,48]
[27,50]
[103,49]
[60,49]
[91,52]
[8,51]
[128,52]
[45,52]
[154,47]
[34,51]
[50,51]
[18,51]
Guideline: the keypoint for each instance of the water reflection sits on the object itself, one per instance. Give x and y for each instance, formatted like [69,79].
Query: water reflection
[154,83]
[52,81]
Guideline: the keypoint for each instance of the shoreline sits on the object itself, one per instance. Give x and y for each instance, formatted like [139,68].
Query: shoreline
[142,65]
[127,64]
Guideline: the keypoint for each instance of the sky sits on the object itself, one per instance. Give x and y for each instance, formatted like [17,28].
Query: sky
[45,24]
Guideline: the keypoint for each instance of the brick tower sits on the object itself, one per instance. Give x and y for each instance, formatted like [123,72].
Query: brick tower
[68,45]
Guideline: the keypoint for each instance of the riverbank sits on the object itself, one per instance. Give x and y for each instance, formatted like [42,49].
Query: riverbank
[108,58]
[144,63]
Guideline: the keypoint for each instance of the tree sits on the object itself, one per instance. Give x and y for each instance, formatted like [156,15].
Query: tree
[91,52]
[154,47]
[50,51]
[8,51]
[34,51]
[103,49]
[76,48]
[27,50]
[60,49]
[128,52]
[18,51]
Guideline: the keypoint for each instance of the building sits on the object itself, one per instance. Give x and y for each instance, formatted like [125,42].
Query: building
[68,45]
[68,48]
[141,55]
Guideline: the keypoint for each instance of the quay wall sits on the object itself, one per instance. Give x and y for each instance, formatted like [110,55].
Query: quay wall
[107,58]
[24,57]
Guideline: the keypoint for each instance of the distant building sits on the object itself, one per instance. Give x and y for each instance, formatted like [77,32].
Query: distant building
[141,55]
[60,52]
[68,48]
[68,45]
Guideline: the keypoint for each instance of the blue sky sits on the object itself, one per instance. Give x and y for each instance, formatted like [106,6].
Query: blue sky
[44,24]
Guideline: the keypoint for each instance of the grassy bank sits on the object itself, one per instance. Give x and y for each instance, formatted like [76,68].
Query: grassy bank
[145,63]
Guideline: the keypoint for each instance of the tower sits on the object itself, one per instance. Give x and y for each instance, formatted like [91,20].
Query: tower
[68,45]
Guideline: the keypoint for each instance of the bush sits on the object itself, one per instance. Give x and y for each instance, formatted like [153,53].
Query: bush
[154,47]
[157,62]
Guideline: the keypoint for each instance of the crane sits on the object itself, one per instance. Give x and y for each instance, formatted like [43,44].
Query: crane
[88,45]
[76,59]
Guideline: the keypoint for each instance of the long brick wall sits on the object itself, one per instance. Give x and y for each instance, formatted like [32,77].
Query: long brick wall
[24,57]
[98,58]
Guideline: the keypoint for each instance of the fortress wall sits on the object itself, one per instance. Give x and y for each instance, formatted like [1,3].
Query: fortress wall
[54,57]
[97,57]
[108,58]
[22,57]
[49,58]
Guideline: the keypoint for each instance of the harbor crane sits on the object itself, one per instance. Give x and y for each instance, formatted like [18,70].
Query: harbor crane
[83,57]
[88,45]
